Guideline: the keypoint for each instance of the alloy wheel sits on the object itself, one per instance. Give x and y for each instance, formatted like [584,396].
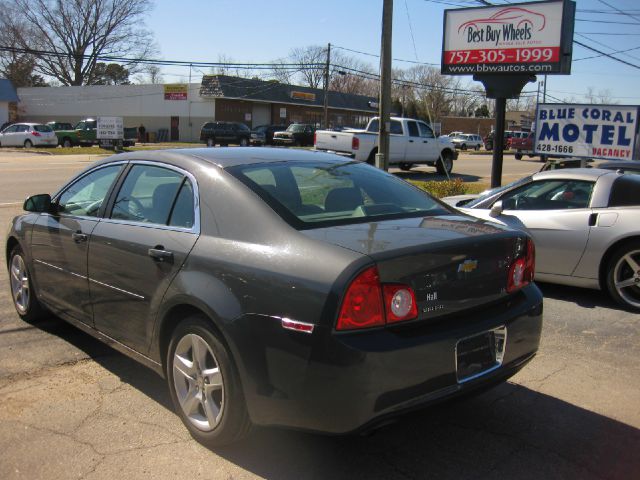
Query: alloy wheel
[198,382]
[626,277]
[20,288]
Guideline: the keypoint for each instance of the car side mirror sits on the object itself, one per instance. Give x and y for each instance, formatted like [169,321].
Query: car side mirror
[496,209]
[40,203]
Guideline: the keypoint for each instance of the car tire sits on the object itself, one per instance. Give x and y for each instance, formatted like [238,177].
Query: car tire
[477,148]
[463,147]
[623,275]
[28,144]
[371,159]
[67,143]
[518,156]
[405,166]
[211,142]
[444,164]
[297,143]
[243,142]
[208,398]
[23,292]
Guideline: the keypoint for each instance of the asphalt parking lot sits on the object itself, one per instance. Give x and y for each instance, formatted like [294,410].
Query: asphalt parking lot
[71,407]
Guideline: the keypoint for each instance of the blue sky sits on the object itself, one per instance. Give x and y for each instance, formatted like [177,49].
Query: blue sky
[262,31]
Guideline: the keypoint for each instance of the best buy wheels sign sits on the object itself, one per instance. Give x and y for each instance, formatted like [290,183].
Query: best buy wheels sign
[594,131]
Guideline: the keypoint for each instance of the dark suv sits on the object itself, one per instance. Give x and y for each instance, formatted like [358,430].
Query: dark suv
[263,134]
[224,133]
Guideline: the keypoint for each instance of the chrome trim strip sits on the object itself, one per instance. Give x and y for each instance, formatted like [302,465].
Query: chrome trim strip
[126,292]
[60,269]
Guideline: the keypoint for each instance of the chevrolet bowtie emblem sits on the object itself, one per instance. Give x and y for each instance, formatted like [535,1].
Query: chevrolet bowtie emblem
[468,266]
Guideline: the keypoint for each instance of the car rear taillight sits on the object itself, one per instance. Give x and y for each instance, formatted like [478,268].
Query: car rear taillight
[367,303]
[355,143]
[522,270]
[35,134]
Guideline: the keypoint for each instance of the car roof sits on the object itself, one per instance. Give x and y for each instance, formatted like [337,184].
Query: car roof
[225,157]
[588,174]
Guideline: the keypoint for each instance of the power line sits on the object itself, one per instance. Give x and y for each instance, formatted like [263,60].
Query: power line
[413,40]
[378,56]
[605,54]
[619,11]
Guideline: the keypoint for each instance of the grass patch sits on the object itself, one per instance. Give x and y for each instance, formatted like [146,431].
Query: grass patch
[447,188]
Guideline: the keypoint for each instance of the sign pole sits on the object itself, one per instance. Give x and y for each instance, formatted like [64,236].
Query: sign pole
[501,87]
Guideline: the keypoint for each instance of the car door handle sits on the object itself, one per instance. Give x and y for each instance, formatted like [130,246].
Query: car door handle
[159,254]
[593,219]
[425,141]
[410,141]
[79,237]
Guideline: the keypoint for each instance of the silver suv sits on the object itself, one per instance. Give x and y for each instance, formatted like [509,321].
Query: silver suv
[465,140]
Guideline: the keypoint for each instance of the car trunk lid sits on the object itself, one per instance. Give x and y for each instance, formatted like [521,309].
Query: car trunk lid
[452,263]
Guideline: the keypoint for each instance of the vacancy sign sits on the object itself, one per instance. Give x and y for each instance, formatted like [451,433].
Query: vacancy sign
[594,131]
[524,38]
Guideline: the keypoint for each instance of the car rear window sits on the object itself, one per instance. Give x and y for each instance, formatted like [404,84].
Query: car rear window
[42,128]
[625,191]
[318,194]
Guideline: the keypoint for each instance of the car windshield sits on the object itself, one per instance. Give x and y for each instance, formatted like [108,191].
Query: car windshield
[42,128]
[295,128]
[319,194]
[260,129]
[490,193]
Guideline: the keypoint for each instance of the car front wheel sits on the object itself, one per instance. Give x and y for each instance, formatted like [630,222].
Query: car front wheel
[66,143]
[243,142]
[22,291]
[210,142]
[623,276]
[205,385]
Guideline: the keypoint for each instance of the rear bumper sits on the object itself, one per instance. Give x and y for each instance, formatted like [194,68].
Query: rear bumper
[339,383]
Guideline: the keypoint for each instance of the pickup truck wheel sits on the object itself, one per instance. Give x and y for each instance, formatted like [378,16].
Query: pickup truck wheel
[405,166]
[210,142]
[518,156]
[66,143]
[371,160]
[477,148]
[444,165]
[463,147]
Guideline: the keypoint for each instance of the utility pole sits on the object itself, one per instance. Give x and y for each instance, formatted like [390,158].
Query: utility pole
[326,87]
[382,158]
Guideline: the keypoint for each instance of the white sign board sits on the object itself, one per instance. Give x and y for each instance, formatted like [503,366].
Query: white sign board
[110,128]
[512,38]
[594,131]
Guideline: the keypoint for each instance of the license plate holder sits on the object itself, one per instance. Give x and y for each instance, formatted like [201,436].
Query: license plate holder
[480,354]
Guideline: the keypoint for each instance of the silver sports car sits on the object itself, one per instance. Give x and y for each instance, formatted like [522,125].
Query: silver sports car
[585,224]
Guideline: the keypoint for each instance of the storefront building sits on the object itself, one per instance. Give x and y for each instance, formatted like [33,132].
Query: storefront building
[176,112]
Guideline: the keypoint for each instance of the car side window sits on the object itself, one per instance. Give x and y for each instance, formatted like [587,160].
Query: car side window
[147,195]
[396,127]
[549,195]
[182,213]
[425,130]
[11,129]
[413,129]
[85,196]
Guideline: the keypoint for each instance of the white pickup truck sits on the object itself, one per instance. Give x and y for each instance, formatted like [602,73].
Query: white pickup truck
[411,142]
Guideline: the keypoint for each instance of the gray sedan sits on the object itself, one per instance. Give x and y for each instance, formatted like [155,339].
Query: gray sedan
[585,223]
[279,287]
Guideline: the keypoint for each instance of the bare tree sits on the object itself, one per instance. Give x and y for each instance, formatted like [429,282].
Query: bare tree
[349,75]
[154,74]
[603,97]
[68,38]
[309,60]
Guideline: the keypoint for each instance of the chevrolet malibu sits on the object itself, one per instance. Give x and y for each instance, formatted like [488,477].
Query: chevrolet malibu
[273,287]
